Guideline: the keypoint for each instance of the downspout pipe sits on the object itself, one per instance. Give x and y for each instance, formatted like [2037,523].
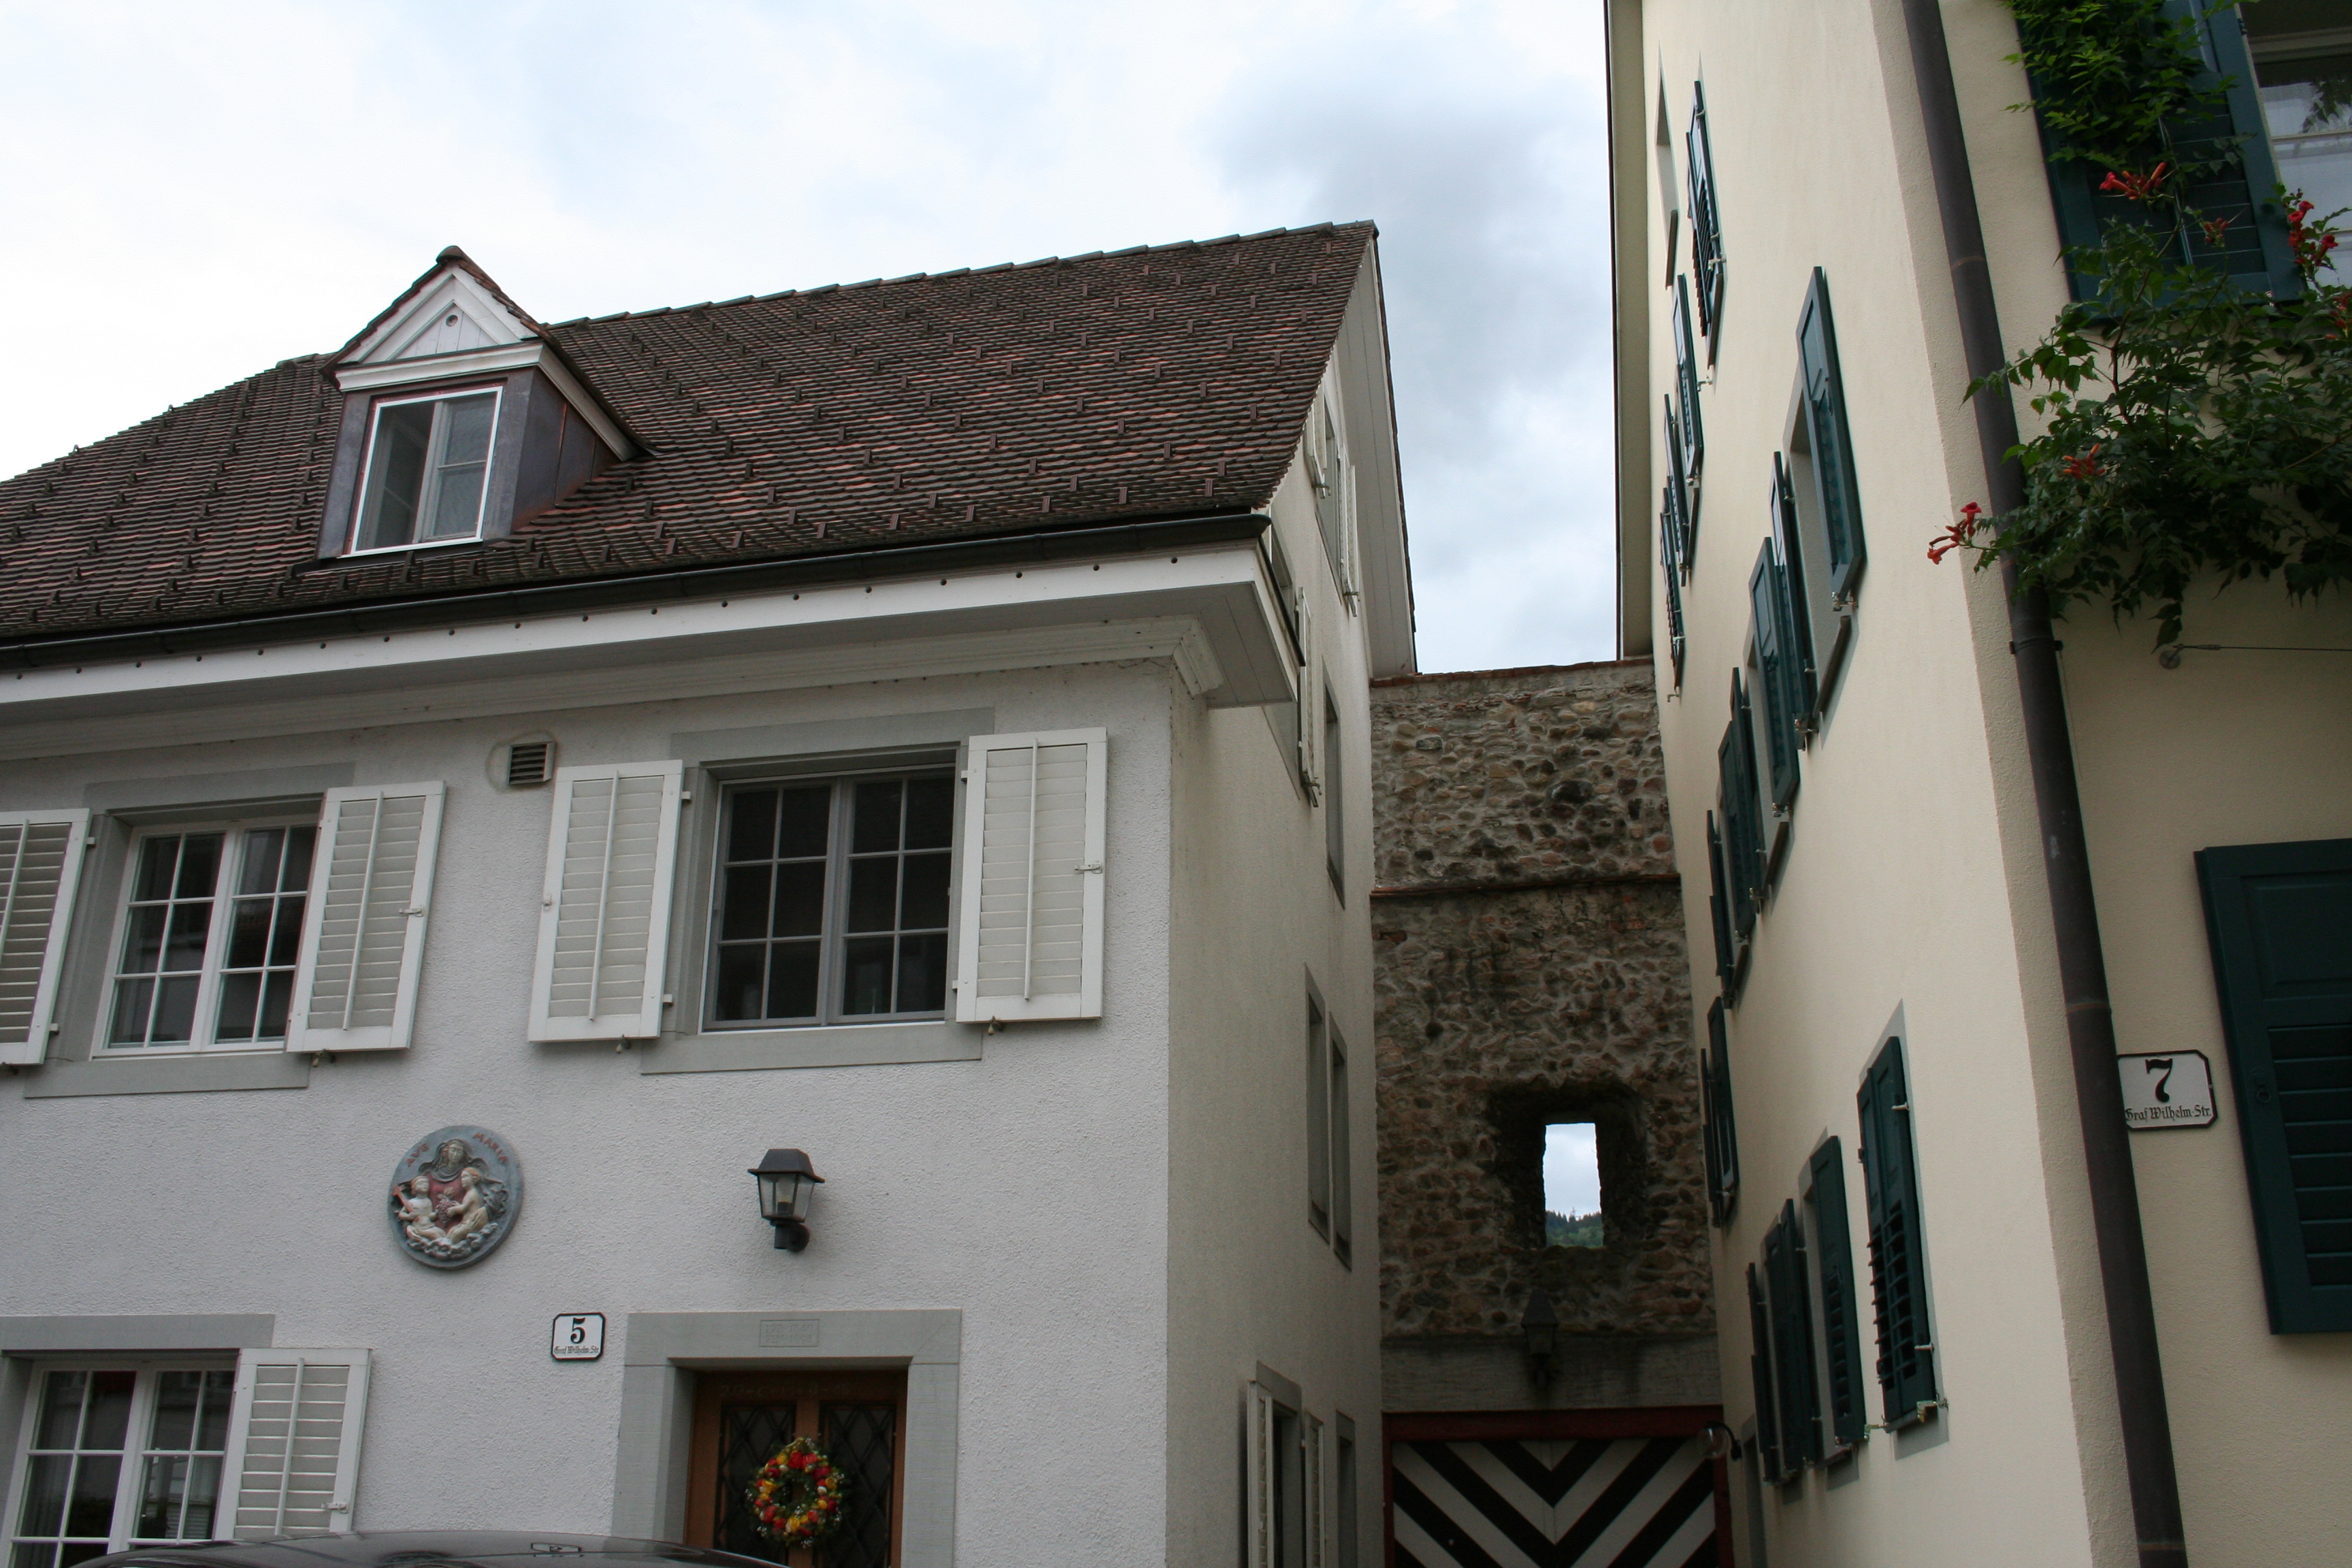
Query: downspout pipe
[2073,910]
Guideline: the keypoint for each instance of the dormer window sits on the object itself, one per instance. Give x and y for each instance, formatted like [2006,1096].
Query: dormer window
[427,458]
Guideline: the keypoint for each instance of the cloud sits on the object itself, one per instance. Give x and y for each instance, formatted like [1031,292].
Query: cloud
[195,193]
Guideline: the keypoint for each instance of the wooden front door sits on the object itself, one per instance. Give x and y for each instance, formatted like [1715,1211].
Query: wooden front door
[741,1418]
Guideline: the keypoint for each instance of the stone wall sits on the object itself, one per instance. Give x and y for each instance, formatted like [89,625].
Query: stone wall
[1531,969]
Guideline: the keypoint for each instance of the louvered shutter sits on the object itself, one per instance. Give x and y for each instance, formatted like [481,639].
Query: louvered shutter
[1837,490]
[41,854]
[1258,1529]
[1318,1528]
[1759,1372]
[1776,675]
[2279,918]
[294,1433]
[1722,1126]
[1793,1341]
[1670,564]
[1311,702]
[2237,189]
[1788,538]
[1706,226]
[1833,1263]
[364,922]
[1718,904]
[1682,498]
[1351,542]
[1906,1366]
[1693,444]
[603,923]
[1742,807]
[1031,926]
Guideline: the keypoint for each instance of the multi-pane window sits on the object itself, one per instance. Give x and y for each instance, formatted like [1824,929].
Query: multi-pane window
[1330,1198]
[212,928]
[832,901]
[427,460]
[120,1456]
[1335,826]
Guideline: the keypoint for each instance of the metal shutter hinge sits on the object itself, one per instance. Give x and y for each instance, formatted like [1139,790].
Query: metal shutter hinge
[418,909]
[1095,867]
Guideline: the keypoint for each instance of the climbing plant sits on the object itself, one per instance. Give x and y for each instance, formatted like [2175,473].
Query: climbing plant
[2193,427]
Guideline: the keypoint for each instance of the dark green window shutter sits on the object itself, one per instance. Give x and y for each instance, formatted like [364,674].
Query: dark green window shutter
[1670,563]
[1742,809]
[1906,1364]
[1726,952]
[1760,1368]
[1792,1342]
[1826,433]
[1787,537]
[1706,222]
[1693,444]
[2254,251]
[2280,917]
[1681,495]
[1722,1122]
[1776,668]
[1841,1331]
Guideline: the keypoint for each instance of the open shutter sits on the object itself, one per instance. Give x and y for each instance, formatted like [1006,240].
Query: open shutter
[1777,674]
[1318,1528]
[1706,226]
[364,923]
[294,1430]
[1722,1125]
[1719,905]
[1682,497]
[1029,942]
[1759,1372]
[1793,1341]
[1828,437]
[1669,563]
[1833,1260]
[1343,1156]
[1351,544]
[1788,538]
[41,854]
[2280,918]
[1906,1366]
[1311,702]
[1693,444]
[1257,1481]
[603,921]
[1742,808]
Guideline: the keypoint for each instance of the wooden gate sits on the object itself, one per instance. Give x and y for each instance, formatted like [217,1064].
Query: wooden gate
[1556,1489]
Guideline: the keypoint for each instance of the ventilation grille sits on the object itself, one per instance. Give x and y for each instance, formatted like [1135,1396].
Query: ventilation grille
[530,762]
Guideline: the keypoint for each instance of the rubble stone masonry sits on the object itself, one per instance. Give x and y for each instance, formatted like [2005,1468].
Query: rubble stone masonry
[1531,969]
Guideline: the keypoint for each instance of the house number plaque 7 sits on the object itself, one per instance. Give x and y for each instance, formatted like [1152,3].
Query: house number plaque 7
[578,1336]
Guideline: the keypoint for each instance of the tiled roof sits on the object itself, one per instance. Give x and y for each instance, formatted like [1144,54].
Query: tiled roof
[1149,383]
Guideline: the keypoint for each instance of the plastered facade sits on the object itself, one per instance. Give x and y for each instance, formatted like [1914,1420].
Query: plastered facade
[1532,968]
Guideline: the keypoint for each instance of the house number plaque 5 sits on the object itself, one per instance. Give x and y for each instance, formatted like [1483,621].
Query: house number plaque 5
[578,1336]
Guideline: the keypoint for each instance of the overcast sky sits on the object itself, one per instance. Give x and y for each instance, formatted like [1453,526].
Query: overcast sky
[189,193]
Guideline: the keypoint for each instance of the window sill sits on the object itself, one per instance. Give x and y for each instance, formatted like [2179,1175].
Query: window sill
[189,1073]
[837,1045]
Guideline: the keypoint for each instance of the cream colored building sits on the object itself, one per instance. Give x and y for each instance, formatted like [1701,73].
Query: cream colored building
[1895,980]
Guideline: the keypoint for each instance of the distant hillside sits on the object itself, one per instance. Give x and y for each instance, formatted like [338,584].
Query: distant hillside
[1571,1230]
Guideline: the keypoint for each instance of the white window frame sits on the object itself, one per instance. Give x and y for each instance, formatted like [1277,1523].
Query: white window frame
[137,1435]
[497,392]
[207,1020]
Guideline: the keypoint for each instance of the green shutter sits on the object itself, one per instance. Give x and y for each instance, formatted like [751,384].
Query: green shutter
[1826,433]
[1760,1368]
[1706,222]
[1742,808]
[1727,949]
[2280,917]
[1788,539]
[1833,1261]
[1669,561]
[1906,1364]
[1792,1342]
[1722,1122]
[1776,667]
[1694,443]
[2255,253]
[1682,495]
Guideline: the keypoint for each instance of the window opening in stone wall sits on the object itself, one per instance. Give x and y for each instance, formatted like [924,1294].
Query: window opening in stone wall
[1572,1185]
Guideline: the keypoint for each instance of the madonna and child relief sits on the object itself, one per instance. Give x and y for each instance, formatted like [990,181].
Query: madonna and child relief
[454,1197]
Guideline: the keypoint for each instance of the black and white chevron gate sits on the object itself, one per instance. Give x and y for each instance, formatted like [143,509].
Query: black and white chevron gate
[1623,1488]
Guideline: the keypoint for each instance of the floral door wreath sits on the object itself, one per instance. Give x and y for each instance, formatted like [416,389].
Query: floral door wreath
[797,1496]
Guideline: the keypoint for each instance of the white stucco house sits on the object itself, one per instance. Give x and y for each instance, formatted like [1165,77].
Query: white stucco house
[467,797]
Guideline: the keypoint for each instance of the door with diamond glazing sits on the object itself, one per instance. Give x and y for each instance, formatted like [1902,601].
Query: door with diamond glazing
[741,1419]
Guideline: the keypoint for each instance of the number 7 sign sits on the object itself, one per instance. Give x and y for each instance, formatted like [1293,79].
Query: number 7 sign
[578,1336]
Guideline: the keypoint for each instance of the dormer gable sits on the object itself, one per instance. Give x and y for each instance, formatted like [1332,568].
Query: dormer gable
[461,418]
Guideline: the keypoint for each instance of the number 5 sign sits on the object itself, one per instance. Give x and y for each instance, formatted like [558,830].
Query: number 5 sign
[578,1336]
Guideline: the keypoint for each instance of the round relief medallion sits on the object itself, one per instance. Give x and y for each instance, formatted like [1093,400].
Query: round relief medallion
[454,1195]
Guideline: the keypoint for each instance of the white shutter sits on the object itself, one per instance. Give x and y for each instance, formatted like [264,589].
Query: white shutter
[1260,1527]
[1317,1556]
[1350,542]
[1029,942]
[1311,702]
[40,866]
[294,1432]
[364,929]
[603,921]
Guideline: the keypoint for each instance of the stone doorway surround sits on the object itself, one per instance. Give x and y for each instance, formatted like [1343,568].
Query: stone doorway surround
[662,1350]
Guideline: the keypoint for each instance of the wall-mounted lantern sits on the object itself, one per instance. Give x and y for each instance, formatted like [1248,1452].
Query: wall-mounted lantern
[787,1183]
[1540,1324]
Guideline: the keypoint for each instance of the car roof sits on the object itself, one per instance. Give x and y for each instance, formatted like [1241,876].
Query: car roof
[426,1548]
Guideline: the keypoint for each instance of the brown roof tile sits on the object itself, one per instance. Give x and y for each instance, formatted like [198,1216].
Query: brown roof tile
[1143,383]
